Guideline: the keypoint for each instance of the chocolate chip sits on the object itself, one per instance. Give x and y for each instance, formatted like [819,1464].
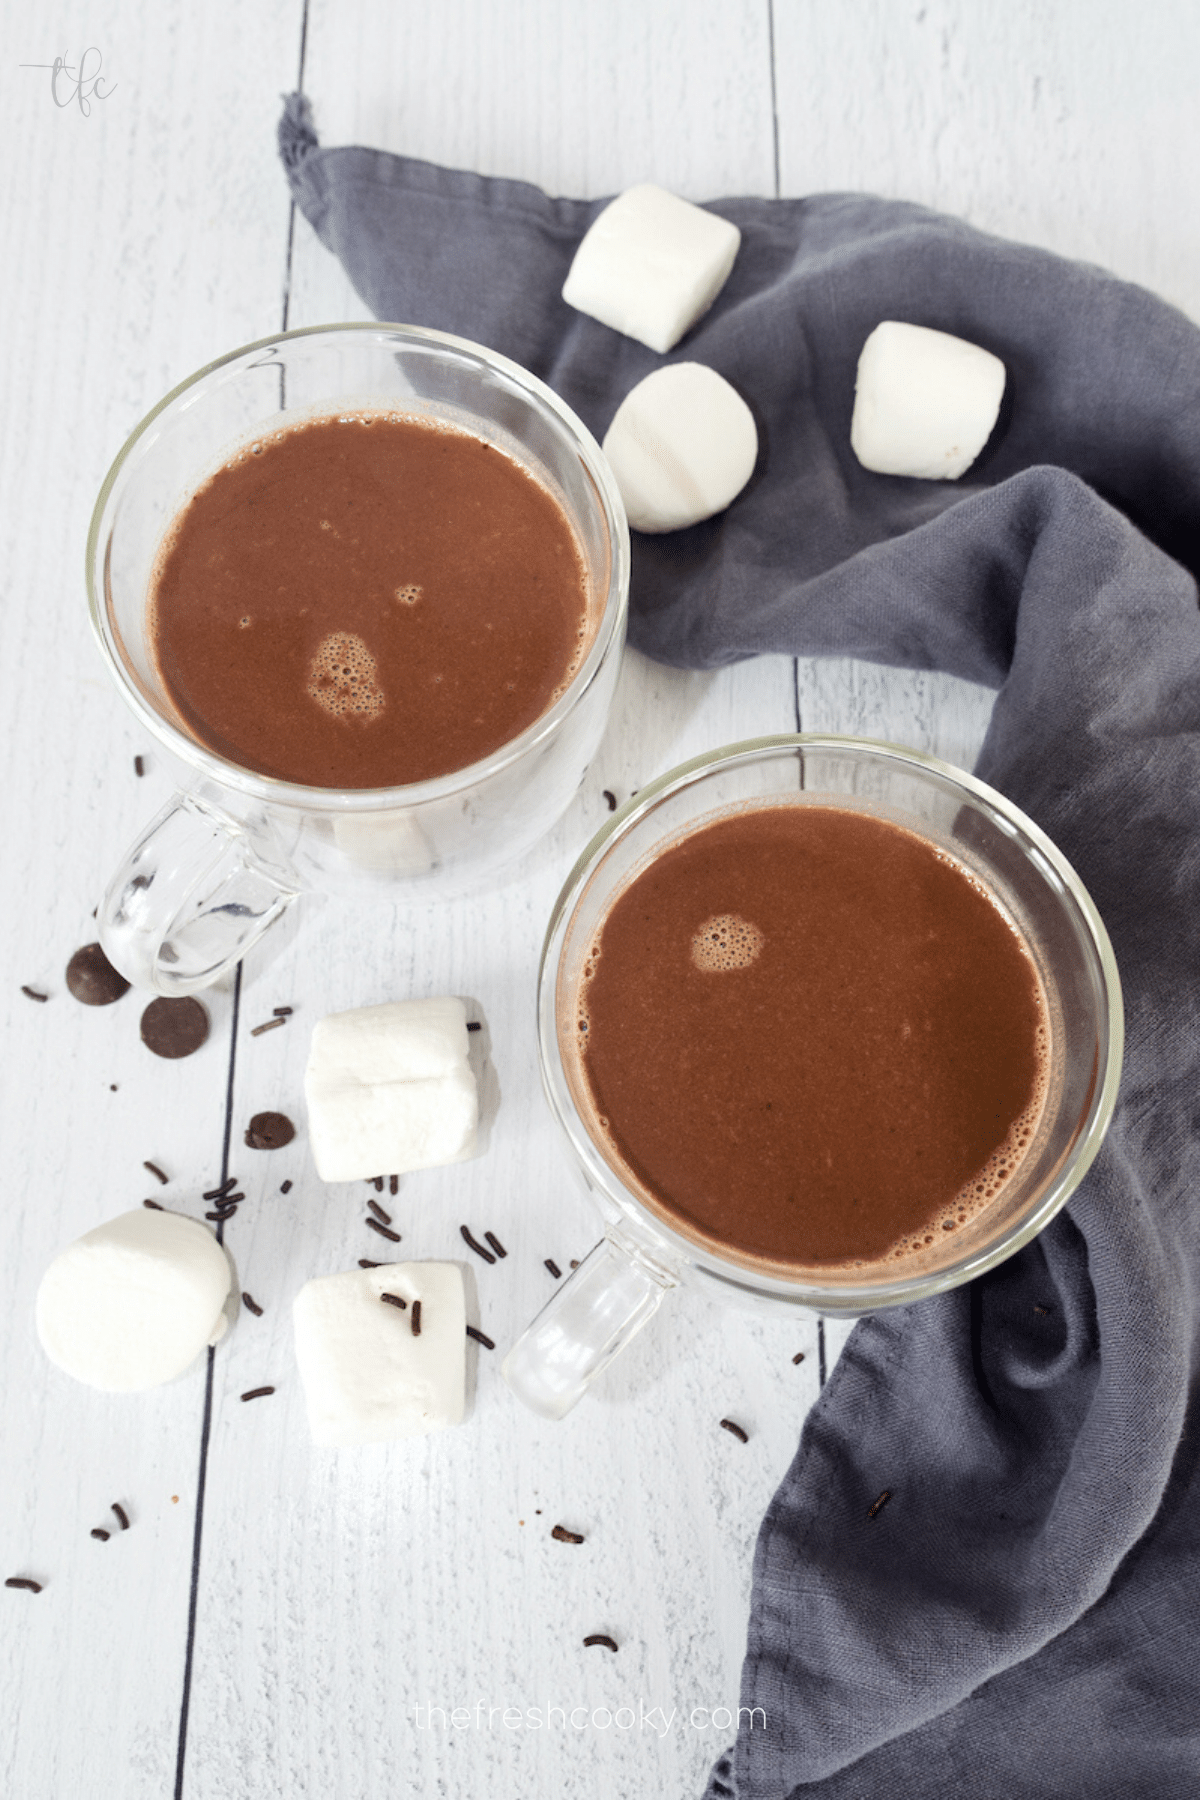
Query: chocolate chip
[270,1131]
[92,979]
[174,1028]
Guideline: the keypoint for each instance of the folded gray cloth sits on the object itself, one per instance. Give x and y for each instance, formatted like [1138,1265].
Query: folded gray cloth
[1017,1620]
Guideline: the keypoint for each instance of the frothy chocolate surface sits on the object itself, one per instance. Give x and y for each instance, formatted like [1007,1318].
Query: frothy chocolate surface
[366,601]
[810,1037]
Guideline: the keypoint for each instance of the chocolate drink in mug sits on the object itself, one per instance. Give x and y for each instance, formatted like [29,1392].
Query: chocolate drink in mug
[367,600]
[809,1038]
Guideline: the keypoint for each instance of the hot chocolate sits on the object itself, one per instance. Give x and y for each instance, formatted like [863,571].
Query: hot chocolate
[807,1037]
[367,600]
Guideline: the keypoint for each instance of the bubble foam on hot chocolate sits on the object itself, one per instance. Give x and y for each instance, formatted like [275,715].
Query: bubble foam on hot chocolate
[342,677]
[726,942]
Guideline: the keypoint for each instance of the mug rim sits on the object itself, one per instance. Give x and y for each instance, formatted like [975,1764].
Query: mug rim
[843,1298]
[301,796]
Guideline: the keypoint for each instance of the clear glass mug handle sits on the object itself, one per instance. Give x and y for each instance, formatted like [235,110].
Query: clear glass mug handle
[188,901]
[586,1323]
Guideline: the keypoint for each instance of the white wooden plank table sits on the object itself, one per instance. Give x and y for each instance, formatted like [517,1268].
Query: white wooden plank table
[279,1621]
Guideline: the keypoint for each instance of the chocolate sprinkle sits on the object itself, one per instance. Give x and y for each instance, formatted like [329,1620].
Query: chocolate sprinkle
[477,1247]
[219,1218]
[574,1265]
[564,1536]
[393,1237]
[376,1182]
[480,1337]
[365,1263]
[153,1205]
[393,1184]
[92,979]
[416,1318]
[598,1637]
[271,1025]
[472,1024]
[282,1012]
[799,1357]
[269,1131]
[99,1532]
[219,1193]
[286,1187]
[122,1515]
[251,1304]
[155,1170]
[494,1241]
[395,1300]
[174,1028]
[383,1217]
[611,798]
[33,994]
[23,1581]
[139,765]
[257,1393]
[728,1425]
[553,1268]
[880,1503]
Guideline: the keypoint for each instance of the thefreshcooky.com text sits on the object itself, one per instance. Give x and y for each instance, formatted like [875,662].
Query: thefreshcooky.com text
[659,1719]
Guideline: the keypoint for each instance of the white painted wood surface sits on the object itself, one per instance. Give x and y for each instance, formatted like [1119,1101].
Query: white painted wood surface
[338,1592]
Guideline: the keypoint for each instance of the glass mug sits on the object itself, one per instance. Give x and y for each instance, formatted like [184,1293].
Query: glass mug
[234,849]
[643,1254]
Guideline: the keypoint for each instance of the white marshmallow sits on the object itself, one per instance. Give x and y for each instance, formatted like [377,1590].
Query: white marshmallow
[132,1303]
[650,264]
[384,843]
[682,445]
[924,402]
[389,1089]
[366,1378]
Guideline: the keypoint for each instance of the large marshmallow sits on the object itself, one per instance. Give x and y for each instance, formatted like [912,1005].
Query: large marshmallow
[650,264]
[682,445]
[367,1379]
[389,1089]
[132,1303]
[925,402]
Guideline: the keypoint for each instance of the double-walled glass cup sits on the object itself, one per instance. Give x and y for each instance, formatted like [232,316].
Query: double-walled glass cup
[647,1249]
[235,848]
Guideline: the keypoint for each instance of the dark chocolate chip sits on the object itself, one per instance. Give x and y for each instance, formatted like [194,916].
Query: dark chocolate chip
[269,1131]
[92,979]
[174,1028]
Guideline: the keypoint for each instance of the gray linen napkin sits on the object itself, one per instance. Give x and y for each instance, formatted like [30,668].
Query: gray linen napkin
[1018,1619]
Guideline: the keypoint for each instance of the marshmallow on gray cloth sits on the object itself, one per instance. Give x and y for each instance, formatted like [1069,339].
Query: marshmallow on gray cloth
[650,264]
[389,1089]
[925,402]
[367,1378]
[132,1303]
[682,445]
